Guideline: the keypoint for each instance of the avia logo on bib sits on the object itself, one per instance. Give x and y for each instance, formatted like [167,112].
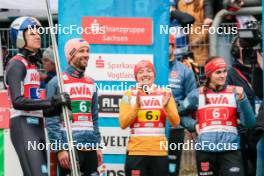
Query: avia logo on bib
[218,100]
[151,101]
[34,77]
[80,90]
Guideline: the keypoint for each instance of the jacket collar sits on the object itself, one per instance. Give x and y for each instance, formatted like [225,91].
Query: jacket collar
[74,72]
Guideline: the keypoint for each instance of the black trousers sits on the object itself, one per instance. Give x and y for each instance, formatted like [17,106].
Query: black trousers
[88,162]
[176,136]
[25,133]
[248,143]
[146,165]
[219,163]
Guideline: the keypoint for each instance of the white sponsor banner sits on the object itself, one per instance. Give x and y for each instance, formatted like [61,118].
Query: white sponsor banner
[114,67]
[115,169]
[115,140]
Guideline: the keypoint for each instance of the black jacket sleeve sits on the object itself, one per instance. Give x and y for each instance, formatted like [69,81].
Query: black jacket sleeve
[258,82]
[208,9]
[53,111]
[183,18]
[260,117]
[15,74]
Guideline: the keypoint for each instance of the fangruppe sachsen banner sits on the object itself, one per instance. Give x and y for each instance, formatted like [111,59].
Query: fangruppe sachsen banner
[121,31]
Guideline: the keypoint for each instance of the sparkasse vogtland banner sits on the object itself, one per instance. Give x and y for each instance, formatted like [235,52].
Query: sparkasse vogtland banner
[120,33]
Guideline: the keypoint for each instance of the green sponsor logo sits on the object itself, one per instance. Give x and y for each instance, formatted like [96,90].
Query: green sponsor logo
[2,153]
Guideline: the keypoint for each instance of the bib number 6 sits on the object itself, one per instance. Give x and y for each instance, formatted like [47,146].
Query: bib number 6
[83,106]
[149,116]
[216,113]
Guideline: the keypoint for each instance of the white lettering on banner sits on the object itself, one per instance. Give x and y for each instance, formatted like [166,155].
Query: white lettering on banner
[124,30]
[114,67]
[115,38]
[115,140]
[109,103]
[128,31]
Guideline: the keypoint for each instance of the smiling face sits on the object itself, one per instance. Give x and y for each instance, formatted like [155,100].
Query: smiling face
[218,78]
[33,40]
[145,76]
[80,59]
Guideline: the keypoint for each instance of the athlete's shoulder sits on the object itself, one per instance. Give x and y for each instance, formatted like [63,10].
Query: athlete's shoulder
[17,61]
[89,79]
[14,68]
[20,59]
[53,82]
[54,79]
